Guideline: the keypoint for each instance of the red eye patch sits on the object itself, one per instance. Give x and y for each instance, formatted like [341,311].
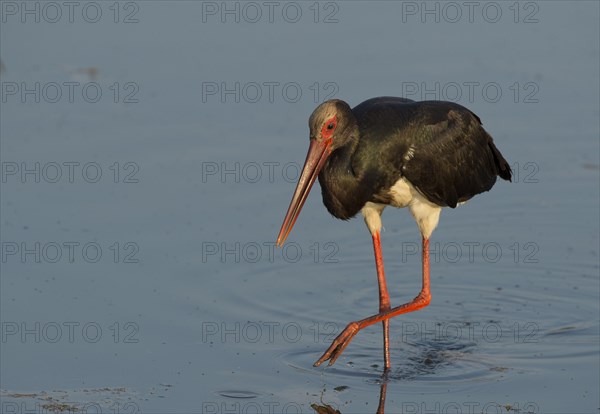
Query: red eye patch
[329,127]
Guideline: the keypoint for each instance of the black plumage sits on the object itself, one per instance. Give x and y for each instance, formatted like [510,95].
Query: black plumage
[440,147]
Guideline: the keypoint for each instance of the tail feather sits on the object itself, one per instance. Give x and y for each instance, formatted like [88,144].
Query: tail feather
[504,170]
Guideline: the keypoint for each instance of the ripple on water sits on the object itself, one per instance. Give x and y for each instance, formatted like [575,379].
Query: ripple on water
[428,361]
[237,394]
[485,340]
[509,325]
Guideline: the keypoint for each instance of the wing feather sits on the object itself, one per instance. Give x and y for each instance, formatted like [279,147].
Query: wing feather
[440,147]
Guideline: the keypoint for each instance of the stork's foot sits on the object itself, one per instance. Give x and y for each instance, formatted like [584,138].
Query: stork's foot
[339,344]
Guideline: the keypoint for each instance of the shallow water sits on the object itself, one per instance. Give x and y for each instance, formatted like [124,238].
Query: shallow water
[155,286]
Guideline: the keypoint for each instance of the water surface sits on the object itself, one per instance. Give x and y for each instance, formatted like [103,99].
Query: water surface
[155,286]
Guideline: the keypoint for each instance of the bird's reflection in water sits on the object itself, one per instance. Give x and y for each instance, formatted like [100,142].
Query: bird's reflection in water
[427,360]
[328,409]
[324,409]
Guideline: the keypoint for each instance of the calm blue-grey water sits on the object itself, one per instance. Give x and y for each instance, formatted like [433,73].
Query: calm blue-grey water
[149,151]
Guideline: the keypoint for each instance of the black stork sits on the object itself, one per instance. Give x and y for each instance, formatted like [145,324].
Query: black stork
[394,151]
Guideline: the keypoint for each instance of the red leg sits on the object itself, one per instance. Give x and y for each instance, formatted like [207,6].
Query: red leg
[382,392]
[420,301]
[384,299]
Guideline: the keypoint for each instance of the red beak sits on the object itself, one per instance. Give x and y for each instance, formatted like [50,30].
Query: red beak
[315,160]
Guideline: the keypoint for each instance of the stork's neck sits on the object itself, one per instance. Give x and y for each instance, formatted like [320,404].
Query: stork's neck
[340,160]
[341,188]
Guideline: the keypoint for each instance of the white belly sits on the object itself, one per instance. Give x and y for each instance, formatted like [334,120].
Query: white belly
[404,194]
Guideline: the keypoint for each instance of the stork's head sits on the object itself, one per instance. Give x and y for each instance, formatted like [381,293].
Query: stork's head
[329,127]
